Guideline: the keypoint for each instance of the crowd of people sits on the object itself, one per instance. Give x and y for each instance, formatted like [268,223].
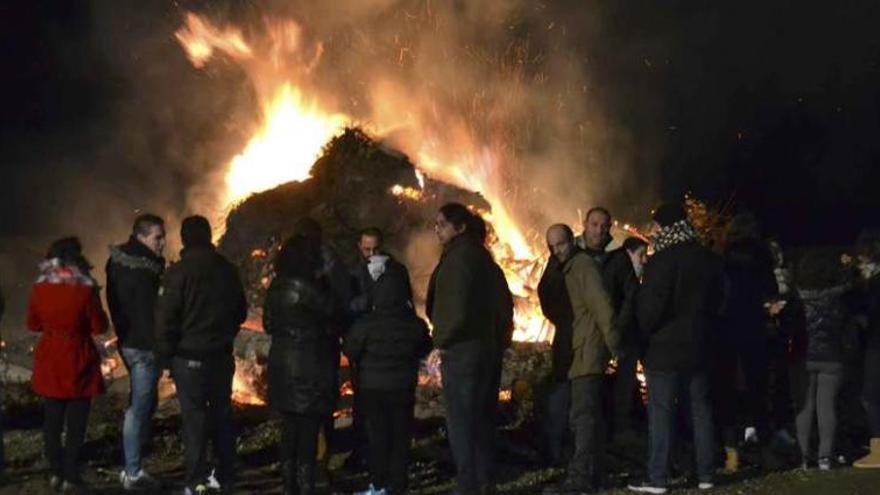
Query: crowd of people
[737,348]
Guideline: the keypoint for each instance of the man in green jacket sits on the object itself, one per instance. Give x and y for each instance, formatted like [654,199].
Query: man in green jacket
[594,340]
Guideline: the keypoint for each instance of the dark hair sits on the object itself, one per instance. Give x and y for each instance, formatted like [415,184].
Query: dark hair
[308,227]
[868,244]
[599,209]
[143,223]
[195,231]
[478,228]
[372,232]
[669,213]
[69,251]
[457,214]
[299,257]
[633,243]
[819,269]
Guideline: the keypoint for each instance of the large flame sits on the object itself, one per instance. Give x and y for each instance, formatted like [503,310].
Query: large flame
[296,126]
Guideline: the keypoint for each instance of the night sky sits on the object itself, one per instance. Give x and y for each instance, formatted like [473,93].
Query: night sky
[773,104]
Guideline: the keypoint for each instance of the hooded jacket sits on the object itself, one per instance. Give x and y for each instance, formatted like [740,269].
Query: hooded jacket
[387,344]
[826,318]
[134,274]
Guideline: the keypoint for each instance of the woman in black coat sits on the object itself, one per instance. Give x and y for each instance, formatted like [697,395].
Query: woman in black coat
[299,315]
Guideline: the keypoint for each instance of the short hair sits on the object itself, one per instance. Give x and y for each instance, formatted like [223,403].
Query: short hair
[146,221]
[69,251]
[669,213]
[599,209]
[372,232]
[478,228]
[632,244]
[299,257]
[457,214]
[310,228]
[195,231]
[565,228]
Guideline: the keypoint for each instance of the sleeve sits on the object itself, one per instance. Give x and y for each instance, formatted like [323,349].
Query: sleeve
[241,305]
[599,305]
[268,310]
[355,341]
[505,308]
[169,312]
[112,294]
[654,295]
[96,315]
[451,296]
[34,322]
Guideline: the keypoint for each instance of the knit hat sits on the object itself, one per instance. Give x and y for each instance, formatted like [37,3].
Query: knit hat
[195,231]
[669,213]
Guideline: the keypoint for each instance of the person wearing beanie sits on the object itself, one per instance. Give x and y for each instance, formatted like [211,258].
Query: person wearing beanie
[200,310]
[677,307]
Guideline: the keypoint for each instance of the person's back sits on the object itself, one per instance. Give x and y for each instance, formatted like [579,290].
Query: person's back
[678,306]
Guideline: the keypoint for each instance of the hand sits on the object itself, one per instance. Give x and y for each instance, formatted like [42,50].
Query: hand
[165,376]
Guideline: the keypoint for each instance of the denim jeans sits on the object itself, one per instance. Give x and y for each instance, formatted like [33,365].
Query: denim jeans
[467,373]
[554,421]
[143,376]
[204,389]
[665,388]
[587,422]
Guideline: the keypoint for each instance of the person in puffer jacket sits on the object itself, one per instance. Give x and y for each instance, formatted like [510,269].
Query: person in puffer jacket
[824,288]
[302,315]
[386,347]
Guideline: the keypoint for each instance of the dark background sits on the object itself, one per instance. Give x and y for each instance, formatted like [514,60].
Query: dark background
[775,104]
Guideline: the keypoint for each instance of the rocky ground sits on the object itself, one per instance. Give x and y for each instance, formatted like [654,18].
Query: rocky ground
[430,473]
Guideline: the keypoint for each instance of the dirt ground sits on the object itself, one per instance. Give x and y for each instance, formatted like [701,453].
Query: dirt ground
[431,469]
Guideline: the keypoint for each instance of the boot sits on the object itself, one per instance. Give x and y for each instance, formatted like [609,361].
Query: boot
[731,460]
[288,473]
[306,479]
[872,460]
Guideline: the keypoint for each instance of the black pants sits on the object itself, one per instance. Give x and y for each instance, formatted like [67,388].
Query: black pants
[71,417]
[586,465]
[871,390]
[388,417]
[752,358]
[625,393]
[468,376]
[204,389]
[299,438]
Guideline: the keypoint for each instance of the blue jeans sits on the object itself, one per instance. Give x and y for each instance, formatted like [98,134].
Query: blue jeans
[554,423]
[665,388]
[144,376]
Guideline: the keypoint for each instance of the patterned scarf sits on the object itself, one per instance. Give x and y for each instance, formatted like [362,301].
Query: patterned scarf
[53,271]
[666,237]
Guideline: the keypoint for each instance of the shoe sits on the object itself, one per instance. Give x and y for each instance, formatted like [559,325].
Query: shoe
[305,478]
[371,490]
[212,483]
[872,460]
[55,482]
[140,481]
[731,460]
[199,489]
[647,487]
[705,485]
[825,464]
[751,435]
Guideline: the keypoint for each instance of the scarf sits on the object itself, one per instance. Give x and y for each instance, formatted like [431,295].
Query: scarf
[677,233]
[54,271]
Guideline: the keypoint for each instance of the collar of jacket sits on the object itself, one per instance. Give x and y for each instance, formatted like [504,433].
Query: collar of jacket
[196,250]
[133,254]
[567,265]
[456,241]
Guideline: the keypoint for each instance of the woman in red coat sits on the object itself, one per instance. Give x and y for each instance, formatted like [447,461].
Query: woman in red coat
[65,307]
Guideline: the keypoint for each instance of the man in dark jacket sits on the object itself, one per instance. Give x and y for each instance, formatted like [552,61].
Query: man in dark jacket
[677,308]
[386,346]
[201,309]
[465,306]
[621,284]
[134,271]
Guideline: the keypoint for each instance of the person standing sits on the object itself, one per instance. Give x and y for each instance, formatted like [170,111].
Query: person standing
[619,278]
[464,306]
[678,308]
[200,310]
[300,314]
[134,272]
[386,346]
[65,308]
[594,341]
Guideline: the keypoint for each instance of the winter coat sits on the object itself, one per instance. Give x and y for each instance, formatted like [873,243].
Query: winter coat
[872,310]
[65,307]
[362,302]
[825,311]
[678,307]
[300,316]
[201,307]
[749,282]
[556,307]
[387,344]
[594,337]
[133,277]
[468,298]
